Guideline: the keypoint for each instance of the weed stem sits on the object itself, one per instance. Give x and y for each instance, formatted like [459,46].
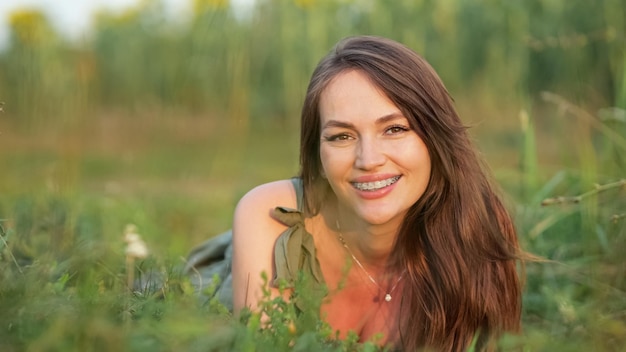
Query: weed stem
[6,245]
[579,198]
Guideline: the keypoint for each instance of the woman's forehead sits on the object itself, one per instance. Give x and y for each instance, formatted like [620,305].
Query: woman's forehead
[352,94]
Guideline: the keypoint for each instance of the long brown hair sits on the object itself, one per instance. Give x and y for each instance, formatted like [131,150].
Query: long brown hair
[457,242]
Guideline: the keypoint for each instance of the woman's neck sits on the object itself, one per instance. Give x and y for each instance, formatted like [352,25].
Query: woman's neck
[371,244]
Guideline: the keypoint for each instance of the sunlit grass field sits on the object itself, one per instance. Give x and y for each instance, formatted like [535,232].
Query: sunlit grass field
[166,127]
[68,195]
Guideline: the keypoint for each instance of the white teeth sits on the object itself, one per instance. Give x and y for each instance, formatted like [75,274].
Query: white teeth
[373,186]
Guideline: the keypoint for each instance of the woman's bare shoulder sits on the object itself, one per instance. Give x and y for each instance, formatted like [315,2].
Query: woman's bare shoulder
[268,196]
[254,235]
[255,207]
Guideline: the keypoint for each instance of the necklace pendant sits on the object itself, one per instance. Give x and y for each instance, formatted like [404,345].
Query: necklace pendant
[387,297]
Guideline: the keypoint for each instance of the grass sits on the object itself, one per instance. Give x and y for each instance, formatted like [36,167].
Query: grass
[68,193]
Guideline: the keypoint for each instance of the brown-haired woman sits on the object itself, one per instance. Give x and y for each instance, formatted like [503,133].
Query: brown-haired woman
[390,182]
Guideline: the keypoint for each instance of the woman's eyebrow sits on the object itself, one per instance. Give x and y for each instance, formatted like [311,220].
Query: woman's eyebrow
[337,123]
[390,117]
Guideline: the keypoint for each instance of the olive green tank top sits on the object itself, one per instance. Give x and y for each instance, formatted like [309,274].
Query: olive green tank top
[294,254]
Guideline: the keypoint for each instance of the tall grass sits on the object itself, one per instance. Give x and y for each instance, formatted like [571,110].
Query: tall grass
[576,300]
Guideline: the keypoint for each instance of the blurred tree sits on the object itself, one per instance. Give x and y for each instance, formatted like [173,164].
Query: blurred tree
[569,45]
[205,67]
[203,6]
[134,57]
[258,65]
[37,80]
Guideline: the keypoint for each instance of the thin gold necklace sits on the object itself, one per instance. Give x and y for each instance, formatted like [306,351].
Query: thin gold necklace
[371,278]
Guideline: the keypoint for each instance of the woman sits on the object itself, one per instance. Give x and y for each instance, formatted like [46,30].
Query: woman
[390,183]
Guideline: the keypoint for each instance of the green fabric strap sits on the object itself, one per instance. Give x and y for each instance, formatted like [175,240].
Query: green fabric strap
[294,251]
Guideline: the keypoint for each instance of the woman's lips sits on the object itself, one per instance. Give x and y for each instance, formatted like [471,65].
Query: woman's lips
[376,185]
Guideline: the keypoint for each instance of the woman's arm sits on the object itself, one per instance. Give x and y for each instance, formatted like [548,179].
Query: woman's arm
[254,236]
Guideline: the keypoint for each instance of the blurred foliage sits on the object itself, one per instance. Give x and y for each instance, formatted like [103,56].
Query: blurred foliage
[255,65]
[165,124]
[40,68]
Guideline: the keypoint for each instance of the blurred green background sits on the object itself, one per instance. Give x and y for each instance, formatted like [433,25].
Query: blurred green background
[165,124]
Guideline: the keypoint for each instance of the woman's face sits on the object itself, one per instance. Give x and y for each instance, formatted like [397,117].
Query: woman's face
[377,166]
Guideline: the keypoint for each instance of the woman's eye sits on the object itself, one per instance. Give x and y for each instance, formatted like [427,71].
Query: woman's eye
[338,137]
[396,129]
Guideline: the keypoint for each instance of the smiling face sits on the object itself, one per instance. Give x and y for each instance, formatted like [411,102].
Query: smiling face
[375,163]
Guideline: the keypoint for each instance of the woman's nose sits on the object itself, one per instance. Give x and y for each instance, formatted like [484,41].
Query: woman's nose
[369,154]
